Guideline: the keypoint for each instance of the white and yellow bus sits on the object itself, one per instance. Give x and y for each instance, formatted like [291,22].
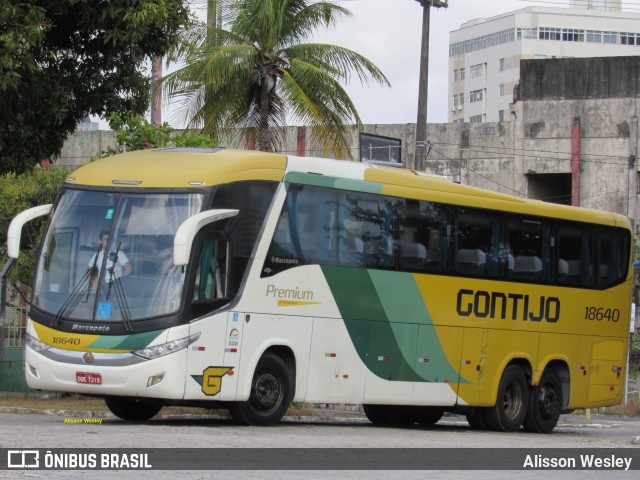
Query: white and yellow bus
[249,280]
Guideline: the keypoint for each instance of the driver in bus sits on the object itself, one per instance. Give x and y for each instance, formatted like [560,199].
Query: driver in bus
[122,266]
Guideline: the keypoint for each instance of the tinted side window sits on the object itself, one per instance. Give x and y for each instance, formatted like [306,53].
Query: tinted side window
[425,231]
[479,247]
[575,254]
[530,243]
[613,256]
[366,230]
[252,199]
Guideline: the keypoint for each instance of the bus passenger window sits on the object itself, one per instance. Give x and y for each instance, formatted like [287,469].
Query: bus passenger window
[530,249]
[613,255]
[366,230]
[478,243]
[575,247]
[424,236]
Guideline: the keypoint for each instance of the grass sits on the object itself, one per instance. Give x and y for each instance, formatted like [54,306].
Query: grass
[630,409]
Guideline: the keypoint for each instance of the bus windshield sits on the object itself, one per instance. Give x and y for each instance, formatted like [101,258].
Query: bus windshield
[108,256]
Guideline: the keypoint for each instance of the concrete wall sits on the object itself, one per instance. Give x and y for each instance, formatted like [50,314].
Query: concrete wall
[83,145]
[601,94]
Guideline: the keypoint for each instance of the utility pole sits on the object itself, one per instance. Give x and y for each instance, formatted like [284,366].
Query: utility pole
[423,85]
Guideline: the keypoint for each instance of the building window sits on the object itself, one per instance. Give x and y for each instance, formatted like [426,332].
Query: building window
[501,88]
[480,43]
[502,64]
[527,34]
[455,101]
[475,96]
[545,33]
[455,75]
[475,70]
[571,35]
[461,102]
[594,37]
[462,74]
[610,37]
[628,39]
[475,119]
[378,148]
[501,115]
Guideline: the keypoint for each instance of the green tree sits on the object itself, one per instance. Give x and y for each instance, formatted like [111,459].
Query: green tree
[249,71]
[20,192]
[61,60]
[134,132]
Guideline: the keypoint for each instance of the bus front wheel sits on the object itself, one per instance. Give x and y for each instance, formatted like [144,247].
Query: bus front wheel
[132,409]
[271,394]
[511,403]
[545,405]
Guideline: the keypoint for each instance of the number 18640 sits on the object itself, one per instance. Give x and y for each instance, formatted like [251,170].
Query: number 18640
[600,313]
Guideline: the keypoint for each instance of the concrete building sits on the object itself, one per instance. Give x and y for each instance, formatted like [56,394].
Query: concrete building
[485,54]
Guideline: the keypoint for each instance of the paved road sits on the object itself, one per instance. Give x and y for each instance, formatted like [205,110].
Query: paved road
[56,431]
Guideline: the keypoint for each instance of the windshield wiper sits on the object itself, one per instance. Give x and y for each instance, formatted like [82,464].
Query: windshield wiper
[119,292]
[75,296]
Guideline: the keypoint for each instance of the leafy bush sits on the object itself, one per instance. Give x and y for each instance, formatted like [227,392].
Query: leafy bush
[18,193]
[134,132]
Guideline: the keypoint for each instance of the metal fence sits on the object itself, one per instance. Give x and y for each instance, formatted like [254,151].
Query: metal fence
[13,326]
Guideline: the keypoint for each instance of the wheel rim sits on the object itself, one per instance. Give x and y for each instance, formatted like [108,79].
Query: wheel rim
[512,400]
[268,391]
[547,402]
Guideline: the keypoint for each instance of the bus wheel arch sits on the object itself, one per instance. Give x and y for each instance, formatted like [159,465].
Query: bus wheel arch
[272,389]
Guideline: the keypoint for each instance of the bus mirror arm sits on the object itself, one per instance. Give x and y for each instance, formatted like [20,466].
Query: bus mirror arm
[188,230]
[15,228]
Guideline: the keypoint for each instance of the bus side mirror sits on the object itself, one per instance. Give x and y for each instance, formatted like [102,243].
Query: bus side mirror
[188,230]
[15,227]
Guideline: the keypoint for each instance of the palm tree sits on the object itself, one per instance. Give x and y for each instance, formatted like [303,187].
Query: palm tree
[250,73]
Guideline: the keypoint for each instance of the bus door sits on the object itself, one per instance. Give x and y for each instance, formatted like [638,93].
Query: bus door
[212,360]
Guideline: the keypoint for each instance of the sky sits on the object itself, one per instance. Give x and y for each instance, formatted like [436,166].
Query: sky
[388,32]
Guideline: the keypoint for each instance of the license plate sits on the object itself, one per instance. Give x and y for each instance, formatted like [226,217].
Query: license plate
[89,378]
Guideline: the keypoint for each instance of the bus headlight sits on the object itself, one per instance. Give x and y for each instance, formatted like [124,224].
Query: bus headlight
[167,348]
[35,344]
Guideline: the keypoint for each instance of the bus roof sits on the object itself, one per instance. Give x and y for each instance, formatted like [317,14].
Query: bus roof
[192,168]
[180,168]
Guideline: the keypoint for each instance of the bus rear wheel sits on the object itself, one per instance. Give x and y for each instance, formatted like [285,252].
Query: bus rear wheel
[271,394]
[478,419]
[511,403]
[132,409]
[545,405]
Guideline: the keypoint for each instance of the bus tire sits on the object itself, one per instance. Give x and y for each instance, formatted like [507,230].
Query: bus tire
[428,416]
[511,402]
[478,419]
[132,409]
[545,405]
[271,394]
[390,415]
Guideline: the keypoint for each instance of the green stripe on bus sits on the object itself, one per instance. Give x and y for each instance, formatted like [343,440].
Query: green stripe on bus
[333,182]
[386,316]
[136,341]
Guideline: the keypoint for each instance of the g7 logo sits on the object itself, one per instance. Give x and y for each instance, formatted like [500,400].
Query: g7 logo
[212,379]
